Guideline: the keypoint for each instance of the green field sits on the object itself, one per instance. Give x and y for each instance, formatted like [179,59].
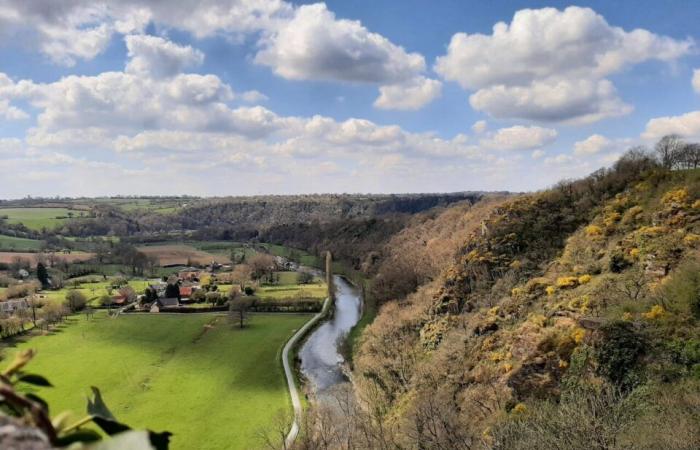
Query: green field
[91,291]
[212,387]
[12,243]
[37,218]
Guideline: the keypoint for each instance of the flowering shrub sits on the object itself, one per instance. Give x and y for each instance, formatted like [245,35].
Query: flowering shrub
[550,290]
[593,231]
[578,334]
[655,312]
[567,282]
[678,197]
[583,279]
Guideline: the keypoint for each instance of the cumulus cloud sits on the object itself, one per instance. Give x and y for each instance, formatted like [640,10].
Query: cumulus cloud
[686,125]
[591,145]
[550,65]
[68,31]
[157,57]
[696,80]
[314,45]
[519,138]
[412,95]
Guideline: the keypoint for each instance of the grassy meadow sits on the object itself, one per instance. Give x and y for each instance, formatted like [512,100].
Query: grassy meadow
[12,243]
[212,385]
[37,218]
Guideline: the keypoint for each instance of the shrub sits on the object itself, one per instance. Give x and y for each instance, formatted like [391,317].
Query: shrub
[618,262]
[682,292]
[618,352]
[676,197]
[593,230]
[75,300]
[567,282]
[583,279]
[655,312]
[249,290]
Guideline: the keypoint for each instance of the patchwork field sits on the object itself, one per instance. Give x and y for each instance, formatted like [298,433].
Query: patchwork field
[92,291]
[212,385]
[37,218]
[8,257]
[18,244]
[169,254]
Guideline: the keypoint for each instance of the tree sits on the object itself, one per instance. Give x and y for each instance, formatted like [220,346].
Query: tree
[262,265]
[172,290]
[128,293]
[305,277]
[668,149]
[75,300]
[238,307]
[42,274]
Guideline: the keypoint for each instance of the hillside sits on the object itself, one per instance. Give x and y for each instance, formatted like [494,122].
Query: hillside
[561,315]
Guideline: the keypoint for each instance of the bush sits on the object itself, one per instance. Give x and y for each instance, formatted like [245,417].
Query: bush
[618,352]
[618,262]
[75,300]
[249,290]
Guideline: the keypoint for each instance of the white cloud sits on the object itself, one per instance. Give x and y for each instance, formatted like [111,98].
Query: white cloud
[157,57]
[479,126]
[537,154]
[686,125]
[551,65]
[314,45]
[519,138]
[253,96]
[696,80]
[411,95]
[591,145]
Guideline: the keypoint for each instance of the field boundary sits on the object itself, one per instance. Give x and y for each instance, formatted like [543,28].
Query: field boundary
[289,374]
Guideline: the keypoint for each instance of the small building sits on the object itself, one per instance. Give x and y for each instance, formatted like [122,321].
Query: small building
[167,302]
[186,292]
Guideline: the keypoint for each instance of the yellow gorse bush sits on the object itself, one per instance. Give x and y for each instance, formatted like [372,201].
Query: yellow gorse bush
[655,312]
[585,278]
[678,196]
[567,282]
[593,230]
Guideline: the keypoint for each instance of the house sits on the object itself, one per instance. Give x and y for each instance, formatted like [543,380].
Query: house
[189,274]
[186,292]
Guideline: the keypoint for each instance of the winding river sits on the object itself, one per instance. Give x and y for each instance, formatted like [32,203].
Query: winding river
[321,363]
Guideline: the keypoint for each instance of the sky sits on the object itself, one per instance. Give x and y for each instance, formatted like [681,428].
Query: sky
[247,97]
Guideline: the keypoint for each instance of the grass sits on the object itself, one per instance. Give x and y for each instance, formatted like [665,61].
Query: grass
[92,291]
[37,218]
[300,256]
[308,291]
[212,387]
[12,243]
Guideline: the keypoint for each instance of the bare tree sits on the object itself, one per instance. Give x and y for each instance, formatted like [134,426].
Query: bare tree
[668,148]
[238,306]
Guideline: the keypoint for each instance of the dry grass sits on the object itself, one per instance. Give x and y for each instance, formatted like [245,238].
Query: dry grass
[8,257]
[181,254]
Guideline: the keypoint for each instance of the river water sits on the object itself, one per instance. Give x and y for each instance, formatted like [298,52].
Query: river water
[321,363]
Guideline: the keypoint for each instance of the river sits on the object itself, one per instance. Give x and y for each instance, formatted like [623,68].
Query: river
[321,363]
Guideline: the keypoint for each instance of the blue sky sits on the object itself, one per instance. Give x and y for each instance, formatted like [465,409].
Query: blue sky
[239,97]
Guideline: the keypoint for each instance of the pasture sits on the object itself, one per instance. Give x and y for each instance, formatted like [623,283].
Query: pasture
[38,218]
[12,243]
[182,254]
[212,385]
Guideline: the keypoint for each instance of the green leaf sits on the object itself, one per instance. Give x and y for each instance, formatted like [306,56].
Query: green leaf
[37,380]
[83,435]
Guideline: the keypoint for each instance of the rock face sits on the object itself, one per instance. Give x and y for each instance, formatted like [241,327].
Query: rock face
[15,435]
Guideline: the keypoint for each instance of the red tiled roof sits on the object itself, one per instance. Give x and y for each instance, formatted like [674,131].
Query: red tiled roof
[185,291]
